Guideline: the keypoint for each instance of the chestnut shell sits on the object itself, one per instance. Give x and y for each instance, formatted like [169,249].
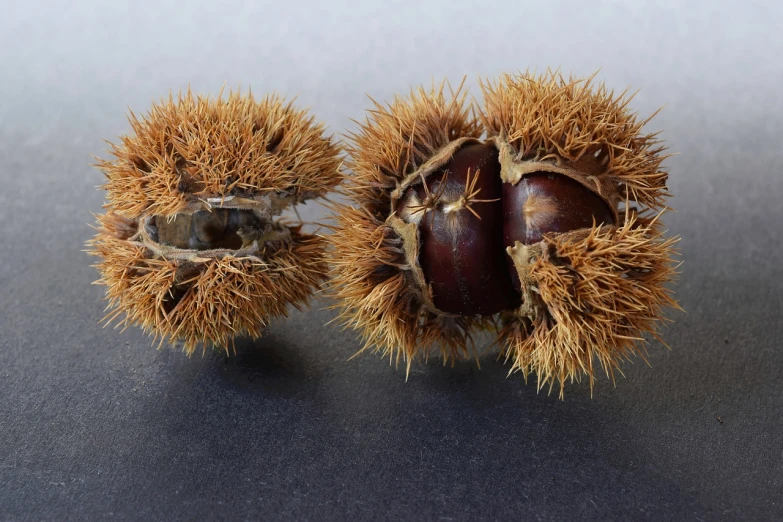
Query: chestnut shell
[462,254]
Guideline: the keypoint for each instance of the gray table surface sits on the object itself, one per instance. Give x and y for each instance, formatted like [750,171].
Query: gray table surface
[98,424]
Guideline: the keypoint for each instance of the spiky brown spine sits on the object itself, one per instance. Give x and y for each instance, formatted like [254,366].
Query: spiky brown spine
[598,290]
[197,153]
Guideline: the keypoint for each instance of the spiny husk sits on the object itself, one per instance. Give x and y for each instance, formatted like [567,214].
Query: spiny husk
[369,274]
[226,296]
[548,117]
[194,148]
[193,153]
[602,289]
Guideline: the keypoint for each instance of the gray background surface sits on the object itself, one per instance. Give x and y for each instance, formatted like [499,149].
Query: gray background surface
[98,424]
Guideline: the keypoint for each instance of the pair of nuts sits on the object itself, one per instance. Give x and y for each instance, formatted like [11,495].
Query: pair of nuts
[534,215]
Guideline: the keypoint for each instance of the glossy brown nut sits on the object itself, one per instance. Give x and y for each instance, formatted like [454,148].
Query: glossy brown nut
[545,202]
[462,254]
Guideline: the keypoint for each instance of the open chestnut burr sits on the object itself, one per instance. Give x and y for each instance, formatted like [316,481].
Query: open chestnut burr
[535,216]
[191,246]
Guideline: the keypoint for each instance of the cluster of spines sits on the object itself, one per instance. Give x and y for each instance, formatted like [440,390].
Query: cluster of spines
[569,118]
[603,290]
[197,147]
[223,298]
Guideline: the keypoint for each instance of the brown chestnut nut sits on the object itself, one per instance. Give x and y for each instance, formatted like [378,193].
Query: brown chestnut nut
[459,215]
[545,202]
